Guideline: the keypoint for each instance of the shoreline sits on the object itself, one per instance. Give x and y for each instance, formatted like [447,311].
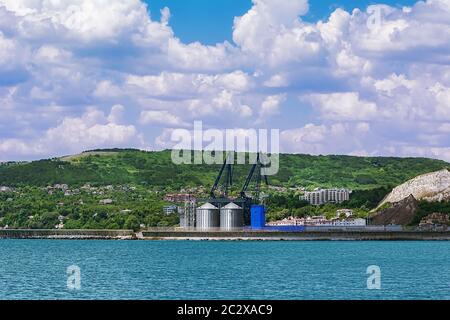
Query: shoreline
[297,236]
[67,234]
[241,235]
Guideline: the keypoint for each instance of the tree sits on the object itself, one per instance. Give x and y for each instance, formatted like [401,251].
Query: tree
[132,223]
[73,224]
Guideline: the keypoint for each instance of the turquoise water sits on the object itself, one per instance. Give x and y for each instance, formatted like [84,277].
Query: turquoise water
[36,269]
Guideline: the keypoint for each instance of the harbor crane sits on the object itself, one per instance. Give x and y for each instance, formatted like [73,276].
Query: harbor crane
[227,167]
[247,196]
[256,170]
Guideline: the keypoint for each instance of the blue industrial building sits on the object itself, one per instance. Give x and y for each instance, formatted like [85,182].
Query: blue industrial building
[258,216]
[258,221]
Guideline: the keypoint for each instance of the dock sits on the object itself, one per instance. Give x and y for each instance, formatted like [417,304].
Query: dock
[261,235]
[238,235]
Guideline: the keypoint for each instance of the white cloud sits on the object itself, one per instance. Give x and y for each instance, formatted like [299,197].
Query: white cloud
[442,94]
[236,81]
[271,106]
[444,128]
[12,54]
[276,81]
[90,130]
[362,89]
[430,152]
[311,139]
[107,89]
[16,147]
[343,106]
[160,117]
[76,134]
[163,141]
[198,57]
[84,20]
[117,114]
[171,84]
[363,127]
[257,30]
[393,84]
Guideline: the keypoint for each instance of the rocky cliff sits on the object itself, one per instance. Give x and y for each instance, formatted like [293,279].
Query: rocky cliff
[401,213]
[434,186]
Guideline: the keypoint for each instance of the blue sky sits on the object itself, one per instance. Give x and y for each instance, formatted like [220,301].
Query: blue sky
[80,75]
[211,21]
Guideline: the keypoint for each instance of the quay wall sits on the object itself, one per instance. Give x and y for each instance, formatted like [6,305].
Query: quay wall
[306,235]
[65,234]
[222,235]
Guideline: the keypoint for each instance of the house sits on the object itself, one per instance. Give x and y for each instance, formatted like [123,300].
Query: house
[179,197]
[168,210]
[59,226]
[319,221]
[436,221]
[347,213]
[5,189]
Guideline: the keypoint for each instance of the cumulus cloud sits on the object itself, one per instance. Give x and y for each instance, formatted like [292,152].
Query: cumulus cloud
[89,130]
[160,117]
[75,134]
[86,20]
[271,106]
[117,114]
[343,106]
[372,81]
[257,30]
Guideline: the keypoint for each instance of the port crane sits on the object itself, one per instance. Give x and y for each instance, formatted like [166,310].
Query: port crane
[227,167]
[247,196]
[256,170]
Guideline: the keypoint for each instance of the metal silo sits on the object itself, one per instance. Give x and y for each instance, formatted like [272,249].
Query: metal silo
[183,221]
[231,217]
[207,217]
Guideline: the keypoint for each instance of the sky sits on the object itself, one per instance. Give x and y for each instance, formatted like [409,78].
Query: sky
[190,18]
[334,77]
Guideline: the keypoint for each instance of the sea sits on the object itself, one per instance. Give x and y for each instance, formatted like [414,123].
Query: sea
[292,270]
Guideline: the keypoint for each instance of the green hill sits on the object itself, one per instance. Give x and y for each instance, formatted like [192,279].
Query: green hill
[155,169]
[114,189]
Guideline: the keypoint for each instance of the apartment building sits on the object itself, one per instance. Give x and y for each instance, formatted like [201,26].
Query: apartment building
[322,196]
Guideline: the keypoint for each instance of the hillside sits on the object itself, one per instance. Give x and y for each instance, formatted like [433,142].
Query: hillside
[434,186]
[156,170]
[409,202]
[402,212]
[117,189]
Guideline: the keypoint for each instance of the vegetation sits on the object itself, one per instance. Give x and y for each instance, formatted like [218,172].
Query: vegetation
[426,208]
[155,169]
[136,182]
[44,208]
[283,205]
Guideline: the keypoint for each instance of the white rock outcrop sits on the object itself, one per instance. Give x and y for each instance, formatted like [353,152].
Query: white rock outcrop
[434,186]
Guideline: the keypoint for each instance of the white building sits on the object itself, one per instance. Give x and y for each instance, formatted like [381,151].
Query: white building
[346,212]
[168,210]
[322,196]
[358,222]
[5,189]
[319,221]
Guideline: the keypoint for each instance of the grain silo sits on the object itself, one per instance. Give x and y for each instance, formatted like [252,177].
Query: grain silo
[207,217]
[231,217]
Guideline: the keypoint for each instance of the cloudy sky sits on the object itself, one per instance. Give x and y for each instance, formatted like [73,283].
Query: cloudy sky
[335,79]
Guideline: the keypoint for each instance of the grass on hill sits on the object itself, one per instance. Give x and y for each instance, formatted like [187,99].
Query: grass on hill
[155,169]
